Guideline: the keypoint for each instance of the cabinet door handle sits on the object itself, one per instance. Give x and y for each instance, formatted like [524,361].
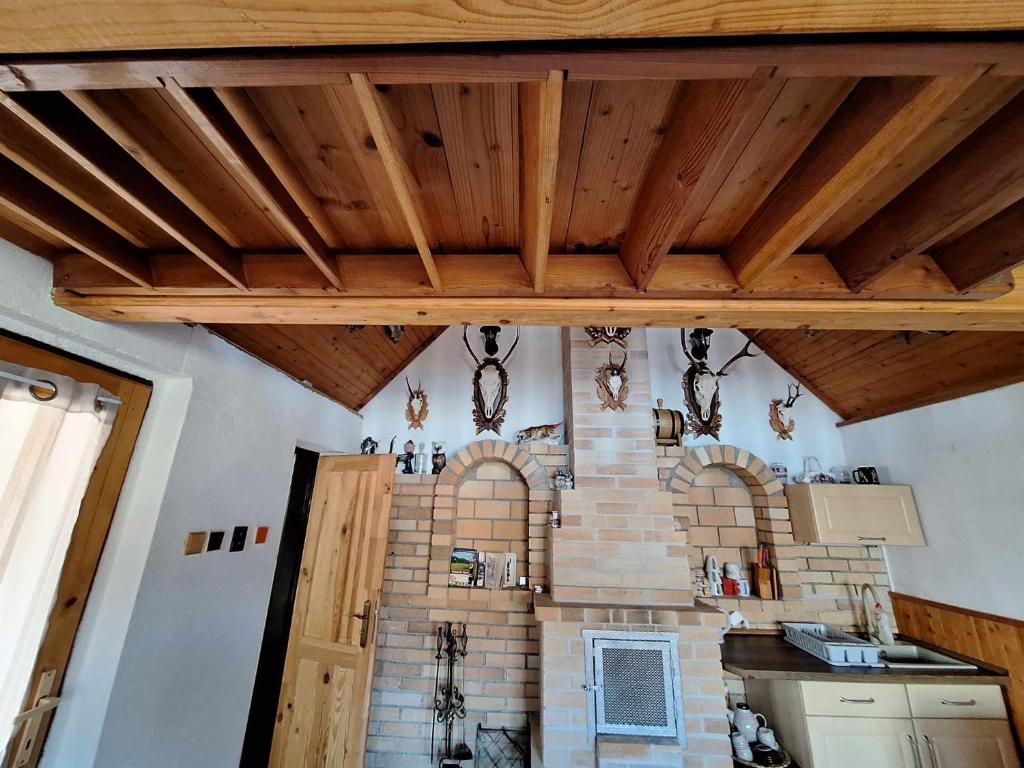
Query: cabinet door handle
[871,538]
[933,752]
[845,700]
[952,703]
[916,751]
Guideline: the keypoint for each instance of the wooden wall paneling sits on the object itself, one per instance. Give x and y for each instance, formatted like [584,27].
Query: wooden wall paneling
[981,177]
[335,154]
[146,127]
[403,183]
[711,124]
[114,25]
[416,136]
[480,128]
[576,100]
[85,146]
[802,108]
[47,210]
[977,104]
[540,114]
[248,118]
[624,128]
[875,123]
[987,250]
[994,640]
[245,163]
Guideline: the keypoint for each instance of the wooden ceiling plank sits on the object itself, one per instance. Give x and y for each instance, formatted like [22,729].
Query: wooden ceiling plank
[978,179]
[875,123]
[247,116]
[399,175]
[428,337]
[576,100]
[122,179]
[1002,314]
[52,213]
[711,123]
[814,362]
[986,251]
[251,170]
[540,109]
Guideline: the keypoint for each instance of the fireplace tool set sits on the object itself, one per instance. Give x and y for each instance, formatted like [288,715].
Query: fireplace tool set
[449,698]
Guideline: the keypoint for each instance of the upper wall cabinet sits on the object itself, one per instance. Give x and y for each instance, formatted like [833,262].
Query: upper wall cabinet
[854,514]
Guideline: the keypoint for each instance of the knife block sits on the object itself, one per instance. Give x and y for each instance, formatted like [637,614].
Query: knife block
[764,582]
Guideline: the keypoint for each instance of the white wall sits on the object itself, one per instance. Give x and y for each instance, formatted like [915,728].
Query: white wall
[965,460]
[446,370]
[164,662]
[535,396]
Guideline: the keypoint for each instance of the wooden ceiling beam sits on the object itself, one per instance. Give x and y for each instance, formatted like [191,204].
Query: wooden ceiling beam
[399,175]
[540,110]
[806,276]
[711,123]
[113,25]
[498,63]
[251,170]
[121,176]
[986,251]
[979,178]
[55,215]
[1002,314]
[876,122]
[248,117]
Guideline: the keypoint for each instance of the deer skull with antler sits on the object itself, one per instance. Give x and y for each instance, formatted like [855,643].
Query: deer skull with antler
[416,407]
[701,383]
[778,413]
[613,383]
[490,381]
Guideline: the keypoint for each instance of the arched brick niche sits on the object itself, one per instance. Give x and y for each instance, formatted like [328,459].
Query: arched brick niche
[492,496]
[732,503]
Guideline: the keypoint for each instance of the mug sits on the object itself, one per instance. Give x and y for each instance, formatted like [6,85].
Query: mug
[733,571]
[741,747]
[865,476]
[766,736]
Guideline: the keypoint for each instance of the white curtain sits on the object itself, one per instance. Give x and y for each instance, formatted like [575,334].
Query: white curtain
[47,454]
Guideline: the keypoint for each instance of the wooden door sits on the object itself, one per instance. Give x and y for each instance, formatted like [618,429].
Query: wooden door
[325,690]
[966,743]
[87,541]
[853,742]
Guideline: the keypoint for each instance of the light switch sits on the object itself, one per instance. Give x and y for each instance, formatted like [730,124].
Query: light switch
[238,538]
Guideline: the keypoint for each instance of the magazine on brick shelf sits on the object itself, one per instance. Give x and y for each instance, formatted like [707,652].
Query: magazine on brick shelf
[463,569]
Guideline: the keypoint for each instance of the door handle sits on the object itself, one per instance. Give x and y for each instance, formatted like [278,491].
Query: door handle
[32,718]
[916,751]
[45,704]
[871,538]
[364,619]
[845,700]
[954,703]
[932,751]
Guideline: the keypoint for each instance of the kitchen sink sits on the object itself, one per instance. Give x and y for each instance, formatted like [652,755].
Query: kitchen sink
[909,656]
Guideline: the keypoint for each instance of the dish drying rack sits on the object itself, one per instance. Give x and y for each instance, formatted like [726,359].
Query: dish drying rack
[832,645]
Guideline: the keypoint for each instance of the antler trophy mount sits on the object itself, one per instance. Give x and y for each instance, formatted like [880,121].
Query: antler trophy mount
[701,383]
[613,384]
[607,334]
[416,406]
[490,381]
[779,413]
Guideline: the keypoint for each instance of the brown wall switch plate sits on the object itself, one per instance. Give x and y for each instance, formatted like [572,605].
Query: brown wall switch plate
[215,542]
[238,538]
[195,542]
[261,534]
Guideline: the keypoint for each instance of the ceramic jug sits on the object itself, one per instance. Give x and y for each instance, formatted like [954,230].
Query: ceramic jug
[747,722]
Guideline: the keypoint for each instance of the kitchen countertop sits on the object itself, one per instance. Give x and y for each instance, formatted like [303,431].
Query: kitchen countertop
[770,657]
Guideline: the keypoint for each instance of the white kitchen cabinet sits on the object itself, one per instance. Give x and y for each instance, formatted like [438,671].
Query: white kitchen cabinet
[965,743]
[853,742]
[854,514]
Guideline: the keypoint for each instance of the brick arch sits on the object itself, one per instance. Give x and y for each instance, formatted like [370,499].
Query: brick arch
[520,460]
[750,469]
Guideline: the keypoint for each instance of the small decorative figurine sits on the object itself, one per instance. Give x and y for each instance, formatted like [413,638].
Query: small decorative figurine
[542,433]
[563,479]
[408,457]
[607,334]
[779,414]
[368,446]
[439,460]
[395,332]
[416,407]
[490,381]
[612,384]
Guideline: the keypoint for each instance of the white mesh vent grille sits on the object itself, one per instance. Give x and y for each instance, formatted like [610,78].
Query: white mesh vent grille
[634,687]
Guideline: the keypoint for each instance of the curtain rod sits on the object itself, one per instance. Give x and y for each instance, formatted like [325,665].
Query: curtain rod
[50,385]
